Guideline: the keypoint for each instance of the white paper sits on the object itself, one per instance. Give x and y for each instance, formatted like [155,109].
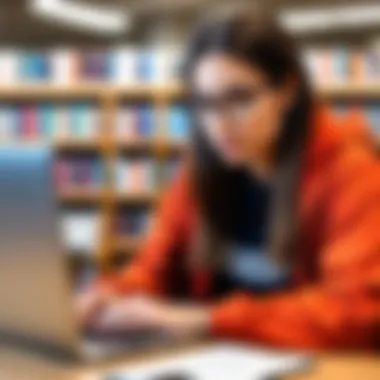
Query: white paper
[218,362]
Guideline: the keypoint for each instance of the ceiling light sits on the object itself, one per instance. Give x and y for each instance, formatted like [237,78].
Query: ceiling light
[82,16]
[322,19]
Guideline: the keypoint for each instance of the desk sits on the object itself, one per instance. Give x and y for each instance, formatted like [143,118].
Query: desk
[17,365]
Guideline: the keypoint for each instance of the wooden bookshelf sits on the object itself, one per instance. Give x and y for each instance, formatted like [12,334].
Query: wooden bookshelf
[78,145]
[158,146]
[137,198]
[78,196]
[347,91]
[135,144]
[166,91]
[53,92]
[90,90]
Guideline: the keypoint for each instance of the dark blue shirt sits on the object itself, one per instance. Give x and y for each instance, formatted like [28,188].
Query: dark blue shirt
[247,267]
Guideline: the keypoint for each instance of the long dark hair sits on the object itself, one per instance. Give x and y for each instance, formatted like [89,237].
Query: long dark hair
[258,40]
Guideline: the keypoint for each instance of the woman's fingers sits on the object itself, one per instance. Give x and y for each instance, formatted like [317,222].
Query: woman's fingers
[128,313]
[142,313]
[88,304]
[85,305]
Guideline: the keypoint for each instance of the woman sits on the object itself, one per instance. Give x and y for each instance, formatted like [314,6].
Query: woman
[271,228]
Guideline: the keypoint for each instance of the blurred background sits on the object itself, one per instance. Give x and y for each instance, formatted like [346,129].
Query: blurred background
[99,81]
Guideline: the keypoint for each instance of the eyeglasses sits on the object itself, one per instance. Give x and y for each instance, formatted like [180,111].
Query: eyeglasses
[235,104]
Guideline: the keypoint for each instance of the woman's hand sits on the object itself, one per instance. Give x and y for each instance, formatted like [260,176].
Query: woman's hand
[90,303]
[140,312]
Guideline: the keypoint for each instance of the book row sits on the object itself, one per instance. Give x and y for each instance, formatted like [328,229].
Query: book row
[126,65]
[84,173]
[83,121]
[46,121]
[343,64]
[135,121]
[120,65]
[133,222]
[132,175]
[135,175]
[81,229]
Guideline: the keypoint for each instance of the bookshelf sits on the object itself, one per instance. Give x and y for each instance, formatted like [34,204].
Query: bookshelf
[350,91]
[91,90]
[108,147]
[168,92]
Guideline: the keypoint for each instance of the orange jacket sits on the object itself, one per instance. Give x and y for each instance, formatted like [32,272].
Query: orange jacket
[359,128]
[335,301]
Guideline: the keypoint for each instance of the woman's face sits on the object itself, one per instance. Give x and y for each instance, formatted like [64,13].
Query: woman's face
[237,109]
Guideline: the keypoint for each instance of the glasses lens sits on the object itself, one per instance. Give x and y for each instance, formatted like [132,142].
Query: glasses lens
[234,103]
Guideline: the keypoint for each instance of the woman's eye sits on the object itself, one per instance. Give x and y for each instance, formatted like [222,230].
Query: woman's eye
[240,95]
[233,97]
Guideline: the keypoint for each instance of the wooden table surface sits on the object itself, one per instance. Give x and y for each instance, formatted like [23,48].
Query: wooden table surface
[18,365]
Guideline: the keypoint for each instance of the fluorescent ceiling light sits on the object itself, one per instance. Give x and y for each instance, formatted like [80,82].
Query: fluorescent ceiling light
[101,20]
[321,19]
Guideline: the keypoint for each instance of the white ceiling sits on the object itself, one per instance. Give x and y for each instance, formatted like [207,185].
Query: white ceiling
[17,26]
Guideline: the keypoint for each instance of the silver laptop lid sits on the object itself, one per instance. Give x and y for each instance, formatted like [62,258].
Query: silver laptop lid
[35,299]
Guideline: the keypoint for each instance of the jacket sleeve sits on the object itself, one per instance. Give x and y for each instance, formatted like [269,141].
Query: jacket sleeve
[170,225]
[343,308]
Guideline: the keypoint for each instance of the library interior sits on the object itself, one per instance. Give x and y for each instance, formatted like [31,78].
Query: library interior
[117,119]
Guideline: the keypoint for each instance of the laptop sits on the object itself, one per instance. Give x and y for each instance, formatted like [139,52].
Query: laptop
[36,296]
